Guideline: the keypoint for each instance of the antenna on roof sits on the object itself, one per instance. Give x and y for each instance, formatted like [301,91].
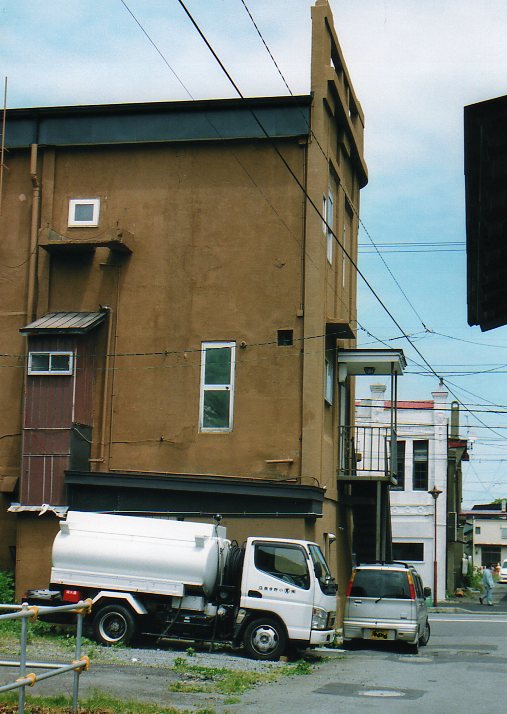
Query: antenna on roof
[2,154]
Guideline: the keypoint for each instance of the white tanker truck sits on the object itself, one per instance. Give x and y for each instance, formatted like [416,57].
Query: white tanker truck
[183,580]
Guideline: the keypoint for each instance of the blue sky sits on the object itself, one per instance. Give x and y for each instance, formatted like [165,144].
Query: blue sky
[414,63]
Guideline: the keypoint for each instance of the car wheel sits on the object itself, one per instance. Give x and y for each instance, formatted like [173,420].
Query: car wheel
[424,638]
[265,639]
[114,625]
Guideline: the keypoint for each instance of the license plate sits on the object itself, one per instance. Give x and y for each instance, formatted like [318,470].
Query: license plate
[379,634]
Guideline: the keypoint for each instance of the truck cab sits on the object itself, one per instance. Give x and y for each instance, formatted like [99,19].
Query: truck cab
[287,593]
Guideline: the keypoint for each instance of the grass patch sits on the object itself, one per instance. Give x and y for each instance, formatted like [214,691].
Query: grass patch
[221,680]
[98,703]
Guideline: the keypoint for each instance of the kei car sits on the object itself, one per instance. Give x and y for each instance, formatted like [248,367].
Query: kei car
[387,601]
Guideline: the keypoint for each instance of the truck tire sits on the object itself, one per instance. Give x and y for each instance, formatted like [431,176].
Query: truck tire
[265,639]
[114,625]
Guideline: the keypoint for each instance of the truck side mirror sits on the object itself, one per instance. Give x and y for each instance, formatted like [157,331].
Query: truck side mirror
[317,568]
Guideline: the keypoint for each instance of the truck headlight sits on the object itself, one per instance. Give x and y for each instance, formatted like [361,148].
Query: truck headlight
[319,619]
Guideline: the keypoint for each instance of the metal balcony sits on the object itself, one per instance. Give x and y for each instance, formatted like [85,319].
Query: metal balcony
[367,453]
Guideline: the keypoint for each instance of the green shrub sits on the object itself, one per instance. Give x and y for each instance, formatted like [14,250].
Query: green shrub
[473,578]
[6,587]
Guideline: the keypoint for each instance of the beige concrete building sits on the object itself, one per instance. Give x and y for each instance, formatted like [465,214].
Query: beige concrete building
[172,307]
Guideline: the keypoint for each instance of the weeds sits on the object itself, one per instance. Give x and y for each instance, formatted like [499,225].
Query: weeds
[97,703]
[220,680]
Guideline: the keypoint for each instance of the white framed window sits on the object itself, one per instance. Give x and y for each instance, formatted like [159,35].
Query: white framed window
[84,212]
[50,363]
[218,361]
[330,223]
[329,387]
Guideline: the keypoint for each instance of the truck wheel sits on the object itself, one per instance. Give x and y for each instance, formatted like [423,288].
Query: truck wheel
[265,639]
[113,625]
[424,638]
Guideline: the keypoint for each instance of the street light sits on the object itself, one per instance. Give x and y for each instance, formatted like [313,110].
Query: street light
[435,493]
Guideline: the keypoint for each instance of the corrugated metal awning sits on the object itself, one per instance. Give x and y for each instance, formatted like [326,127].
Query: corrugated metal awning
[59,511]
[65,323]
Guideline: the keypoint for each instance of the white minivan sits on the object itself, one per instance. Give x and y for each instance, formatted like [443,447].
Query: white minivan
[387,601]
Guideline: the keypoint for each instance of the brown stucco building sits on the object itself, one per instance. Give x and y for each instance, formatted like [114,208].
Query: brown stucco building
[173,305]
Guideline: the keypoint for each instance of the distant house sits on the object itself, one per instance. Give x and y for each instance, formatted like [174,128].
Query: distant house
[178,315]
[428,455]
[489,533]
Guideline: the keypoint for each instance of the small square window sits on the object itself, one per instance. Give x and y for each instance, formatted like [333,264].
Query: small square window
[285,338]
[44,363]
[84,212]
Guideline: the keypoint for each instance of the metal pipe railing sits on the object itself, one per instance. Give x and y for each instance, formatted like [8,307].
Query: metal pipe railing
[367,450]
[26,612]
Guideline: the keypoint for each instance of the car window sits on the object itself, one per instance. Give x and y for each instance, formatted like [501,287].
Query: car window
[381,584]
[418,585]
[287,563]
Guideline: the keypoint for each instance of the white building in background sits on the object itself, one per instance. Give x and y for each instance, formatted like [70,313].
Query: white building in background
[422,464]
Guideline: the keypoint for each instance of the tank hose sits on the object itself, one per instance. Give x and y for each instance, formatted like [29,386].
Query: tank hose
[234,565]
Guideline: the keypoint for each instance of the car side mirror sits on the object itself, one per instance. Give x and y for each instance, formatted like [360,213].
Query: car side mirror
[427,592]
[317,568]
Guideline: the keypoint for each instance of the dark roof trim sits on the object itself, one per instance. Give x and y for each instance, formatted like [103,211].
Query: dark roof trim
[65,323]
[191,495]
[282,117]
[183,482]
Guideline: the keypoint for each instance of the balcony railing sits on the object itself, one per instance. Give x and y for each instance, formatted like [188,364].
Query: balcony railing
[367,452]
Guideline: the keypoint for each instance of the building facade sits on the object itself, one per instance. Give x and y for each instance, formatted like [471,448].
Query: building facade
[176,286]
[426,497]
[489,533]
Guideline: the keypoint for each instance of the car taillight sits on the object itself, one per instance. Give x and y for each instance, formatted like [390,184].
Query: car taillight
[411,586]
[71,595]
[349,586]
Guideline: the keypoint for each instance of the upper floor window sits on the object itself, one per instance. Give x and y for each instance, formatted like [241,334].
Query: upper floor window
[329,387]
[52,363]
[420,473]
[330,227]
[400,466]
[217,386]
[84,212]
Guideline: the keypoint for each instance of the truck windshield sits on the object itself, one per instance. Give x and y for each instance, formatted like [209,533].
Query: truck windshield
[326,581]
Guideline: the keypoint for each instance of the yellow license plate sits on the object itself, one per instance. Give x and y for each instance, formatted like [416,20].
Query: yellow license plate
[380,634]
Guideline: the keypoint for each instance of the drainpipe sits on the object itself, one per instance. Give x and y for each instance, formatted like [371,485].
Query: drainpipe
[32,266]
[107,370]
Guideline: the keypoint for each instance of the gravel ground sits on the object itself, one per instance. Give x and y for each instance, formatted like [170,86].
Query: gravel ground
[141,673]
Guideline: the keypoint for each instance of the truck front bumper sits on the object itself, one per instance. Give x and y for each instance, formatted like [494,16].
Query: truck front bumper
[321,637]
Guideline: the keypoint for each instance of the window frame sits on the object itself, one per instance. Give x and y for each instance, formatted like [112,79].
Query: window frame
[51,372]
[75,223]
[415,545]
[226,387]
[329,380]
[401,446]
[426,462]
[329,227]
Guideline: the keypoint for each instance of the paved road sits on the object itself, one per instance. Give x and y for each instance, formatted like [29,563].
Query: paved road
[461,670]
